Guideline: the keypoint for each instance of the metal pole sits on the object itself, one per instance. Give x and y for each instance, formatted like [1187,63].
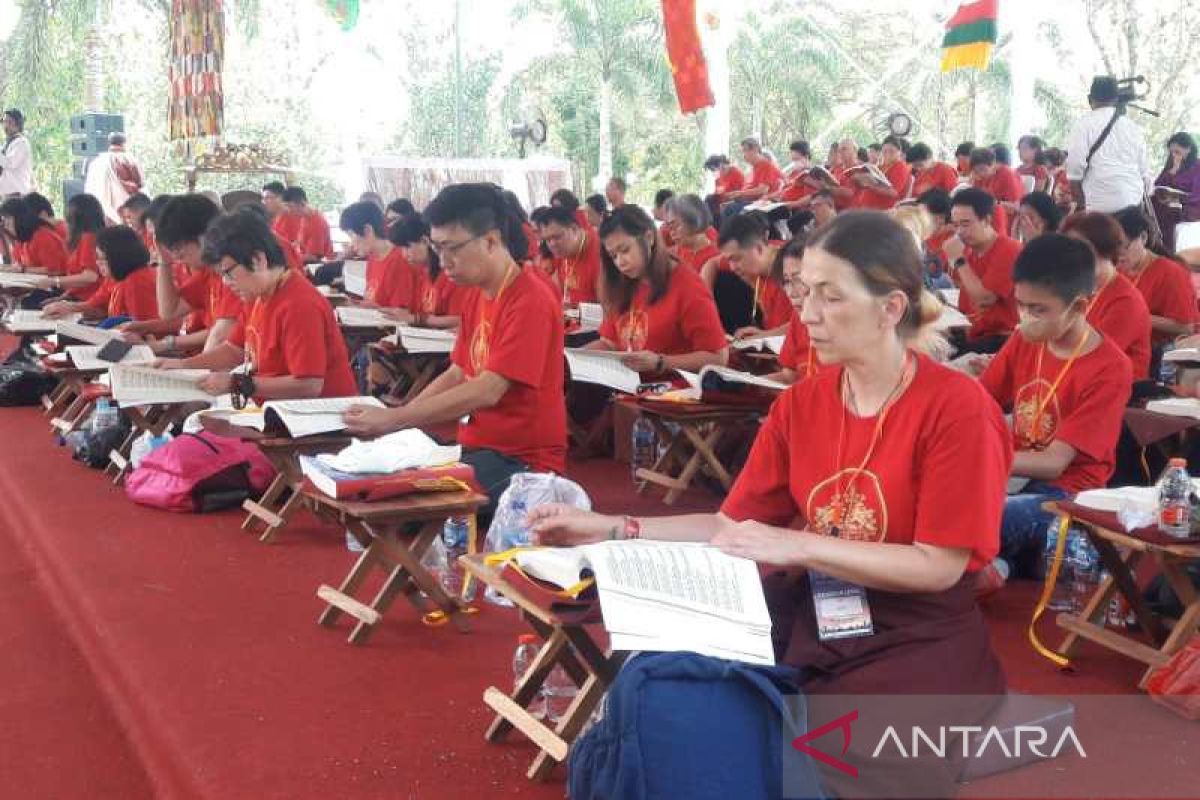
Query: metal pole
[458,109]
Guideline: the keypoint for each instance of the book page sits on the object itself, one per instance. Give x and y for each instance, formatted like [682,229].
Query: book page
[24,320]
[353,317]
[603,368]
[734,376]
[951,318]
[436,334]
[316,415]
[1176,407]
[84,356]
[19,280]
[147,386]
[591,315]
[354,278]
[86,333]
[772,343]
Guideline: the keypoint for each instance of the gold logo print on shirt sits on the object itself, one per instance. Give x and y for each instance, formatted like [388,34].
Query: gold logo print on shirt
[481,346]
[1034,426]
[851,501]
[635,330]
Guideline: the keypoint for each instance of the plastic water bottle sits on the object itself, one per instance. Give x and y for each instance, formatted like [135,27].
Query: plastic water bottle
[1060,599]
[1085,569]
[645,446]
[1175,500]
[560,692]
[455,534]
[1167,370]
[527,650]
[105,416]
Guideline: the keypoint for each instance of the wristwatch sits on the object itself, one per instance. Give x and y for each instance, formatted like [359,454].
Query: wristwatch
[243,389]
[960,262]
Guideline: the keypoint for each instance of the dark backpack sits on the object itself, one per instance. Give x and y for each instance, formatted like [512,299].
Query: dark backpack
[24,386]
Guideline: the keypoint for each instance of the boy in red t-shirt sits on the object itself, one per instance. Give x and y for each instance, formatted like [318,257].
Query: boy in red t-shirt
[506,374]
[1066,387]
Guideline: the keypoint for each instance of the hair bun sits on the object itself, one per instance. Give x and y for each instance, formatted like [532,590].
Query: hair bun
[929,308]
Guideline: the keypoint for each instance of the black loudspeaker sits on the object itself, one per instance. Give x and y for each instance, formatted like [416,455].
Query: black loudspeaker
[70,188]
[89,146]
[100,125]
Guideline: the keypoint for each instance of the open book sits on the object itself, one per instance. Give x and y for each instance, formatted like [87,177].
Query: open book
[763,205]
[667,596]
[1183,355]
[723,385]
[950,318]
[85,333]
[354,278]
[1176,407]
[87,356]
[355,317]
[876,174]
[20,280]
[1187,236]
[30,320]
[1170,192]
[602,367]
[425,340]
[761,343]
[296,417]
[145,386]
[821,174]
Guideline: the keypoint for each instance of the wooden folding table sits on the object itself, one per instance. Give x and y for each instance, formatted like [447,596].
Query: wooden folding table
[151,419]
[567,642]
[692,433]
[396,534]
[1170,557]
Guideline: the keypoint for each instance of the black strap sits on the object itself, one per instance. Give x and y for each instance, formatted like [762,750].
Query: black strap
[1087,162]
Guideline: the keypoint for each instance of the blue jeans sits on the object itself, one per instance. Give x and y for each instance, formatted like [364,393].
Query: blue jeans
[1023,527]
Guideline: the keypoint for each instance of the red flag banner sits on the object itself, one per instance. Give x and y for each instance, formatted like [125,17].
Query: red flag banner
[686,55]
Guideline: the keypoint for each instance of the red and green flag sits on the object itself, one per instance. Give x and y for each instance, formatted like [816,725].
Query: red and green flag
[970,36]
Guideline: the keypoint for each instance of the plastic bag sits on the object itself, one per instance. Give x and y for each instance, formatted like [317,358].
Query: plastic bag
[1176,684]
[527,490]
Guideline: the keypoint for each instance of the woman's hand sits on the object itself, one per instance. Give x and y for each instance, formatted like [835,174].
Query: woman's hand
[641,361]
[748,332]
[57,309]
[758,542]
[562,525]
[402,315]
[167,363]
[216,383]
[369,421]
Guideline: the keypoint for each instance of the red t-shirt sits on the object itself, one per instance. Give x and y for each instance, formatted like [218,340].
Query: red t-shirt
[731,180]
[898,175]
[291,256]
[133,297]
[1039,174]
[797,353]
[696,258]
[205,292]
[392,282]
[286,226]
[765,173]
[937,175]
[1119,312]
[1004,184]
[579,277]
[805,463]
[774,306]
[935,246]
[82,259]
[1167,288]
[293,333]
[518,335]
[684,320]
[46,249]
[442,297]
[797,188]
[1085,410]
[994,268]
[312,237]
[531,240]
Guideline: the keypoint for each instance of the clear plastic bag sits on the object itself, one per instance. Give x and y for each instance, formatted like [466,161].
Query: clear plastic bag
[526,491]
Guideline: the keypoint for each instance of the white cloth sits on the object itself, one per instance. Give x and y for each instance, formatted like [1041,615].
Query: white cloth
[1120,173]
[406,449]
[103,183]
[16,159]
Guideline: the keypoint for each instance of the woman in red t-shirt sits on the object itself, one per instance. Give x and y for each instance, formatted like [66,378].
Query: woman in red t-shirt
[1033,163]
[127,281]
[797,358]
[848,478]
[85,219]
[440,301]
[288,340]
[1165,285]
[37,247]
[656,311]
[689,221]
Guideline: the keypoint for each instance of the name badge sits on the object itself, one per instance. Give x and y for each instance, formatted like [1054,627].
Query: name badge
[842,608]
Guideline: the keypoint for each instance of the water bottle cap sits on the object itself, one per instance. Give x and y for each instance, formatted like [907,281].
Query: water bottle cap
[1178,462]
[527,638]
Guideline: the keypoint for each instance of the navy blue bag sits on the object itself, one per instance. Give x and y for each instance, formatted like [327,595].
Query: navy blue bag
[681,725]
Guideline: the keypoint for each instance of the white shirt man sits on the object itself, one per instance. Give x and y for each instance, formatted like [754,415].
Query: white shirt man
[113,177]
[1120,172]
[16,159]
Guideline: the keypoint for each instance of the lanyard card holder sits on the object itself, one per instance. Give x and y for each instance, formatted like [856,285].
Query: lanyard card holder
[842,609]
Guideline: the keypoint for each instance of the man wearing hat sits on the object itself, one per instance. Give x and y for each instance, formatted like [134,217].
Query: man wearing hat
[16,160]
[1106,157]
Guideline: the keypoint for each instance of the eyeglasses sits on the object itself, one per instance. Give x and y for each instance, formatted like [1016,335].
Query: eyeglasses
[226,273]
[444,249]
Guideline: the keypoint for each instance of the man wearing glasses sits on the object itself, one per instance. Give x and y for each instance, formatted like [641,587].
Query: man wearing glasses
[981,262]
[288,339]
[505,382]
[576,252]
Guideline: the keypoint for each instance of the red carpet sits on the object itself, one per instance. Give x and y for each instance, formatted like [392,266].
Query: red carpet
[155,654]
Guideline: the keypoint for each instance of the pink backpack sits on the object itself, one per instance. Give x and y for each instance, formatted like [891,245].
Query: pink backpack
[200,472]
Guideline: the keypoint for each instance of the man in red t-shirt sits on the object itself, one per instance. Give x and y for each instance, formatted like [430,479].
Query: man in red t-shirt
[506,376]
[1066,387]
[999,181]
[179,229]
[880,196]
[272,200]
[393,286]
[312,240]
[765,178]
[576,252]
[288,340]
[980,262]
[929,173]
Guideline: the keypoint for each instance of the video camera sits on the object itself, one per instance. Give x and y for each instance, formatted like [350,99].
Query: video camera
[1131,90]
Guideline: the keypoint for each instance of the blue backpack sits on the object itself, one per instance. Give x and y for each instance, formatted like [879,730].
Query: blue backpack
[682,725]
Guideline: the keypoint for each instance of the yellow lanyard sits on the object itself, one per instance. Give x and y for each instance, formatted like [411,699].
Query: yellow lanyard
[1035,423]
